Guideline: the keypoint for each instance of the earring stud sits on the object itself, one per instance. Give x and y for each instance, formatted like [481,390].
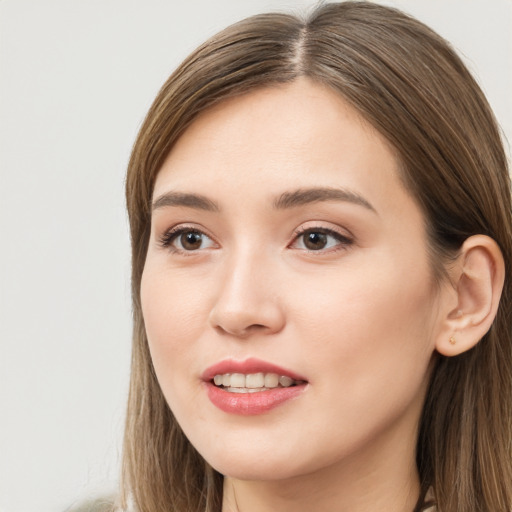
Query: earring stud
[453,340]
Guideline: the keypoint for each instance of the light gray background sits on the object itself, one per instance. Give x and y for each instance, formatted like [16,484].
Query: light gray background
[76,77]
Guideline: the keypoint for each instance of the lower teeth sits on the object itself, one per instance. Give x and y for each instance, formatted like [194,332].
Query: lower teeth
[249,390]
[245,390]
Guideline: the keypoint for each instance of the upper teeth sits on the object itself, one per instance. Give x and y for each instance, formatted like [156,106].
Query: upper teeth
[253,380]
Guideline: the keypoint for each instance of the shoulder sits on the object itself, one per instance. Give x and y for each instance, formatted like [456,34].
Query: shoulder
[429,503]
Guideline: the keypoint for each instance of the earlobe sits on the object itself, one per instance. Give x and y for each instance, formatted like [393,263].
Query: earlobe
[478,282]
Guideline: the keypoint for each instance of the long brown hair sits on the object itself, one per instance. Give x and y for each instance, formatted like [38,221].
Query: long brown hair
[412,87]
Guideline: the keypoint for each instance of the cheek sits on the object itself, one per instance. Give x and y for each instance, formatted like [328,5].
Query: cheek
[175,311]
[173,316]
[372,325]
[380,291]
[368,344]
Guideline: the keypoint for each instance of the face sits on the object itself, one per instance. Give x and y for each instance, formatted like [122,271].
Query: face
[287,294]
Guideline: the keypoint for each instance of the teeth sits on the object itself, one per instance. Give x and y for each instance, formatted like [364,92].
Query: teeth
[253,380]
[271,380]
[241,383]
[285,381]
[245,390]
[237,380]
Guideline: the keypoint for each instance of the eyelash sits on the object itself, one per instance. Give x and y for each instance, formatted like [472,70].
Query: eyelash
[343,241]
[169,237]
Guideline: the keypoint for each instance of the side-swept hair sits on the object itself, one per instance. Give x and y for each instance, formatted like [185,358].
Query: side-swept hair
[407,82]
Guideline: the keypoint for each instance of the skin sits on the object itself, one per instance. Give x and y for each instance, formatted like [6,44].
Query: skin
[357,318]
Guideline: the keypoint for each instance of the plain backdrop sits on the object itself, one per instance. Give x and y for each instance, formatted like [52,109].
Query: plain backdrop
[76,78]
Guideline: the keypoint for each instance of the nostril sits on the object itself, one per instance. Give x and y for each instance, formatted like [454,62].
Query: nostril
[242,332]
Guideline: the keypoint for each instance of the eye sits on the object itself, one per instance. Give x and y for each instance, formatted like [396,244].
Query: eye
[186,239]
[320,239]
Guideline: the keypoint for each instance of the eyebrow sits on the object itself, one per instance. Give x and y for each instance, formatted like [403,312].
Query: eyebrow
[302,197]
[286,200]
[196,201]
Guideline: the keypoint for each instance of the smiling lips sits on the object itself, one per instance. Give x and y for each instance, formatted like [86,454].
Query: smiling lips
[250,387]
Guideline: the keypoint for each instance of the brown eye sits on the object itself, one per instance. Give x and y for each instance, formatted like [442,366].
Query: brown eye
[186,240]
[191,240]
[320,239]
[315,241]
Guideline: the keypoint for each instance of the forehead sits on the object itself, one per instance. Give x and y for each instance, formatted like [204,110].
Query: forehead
[298,134]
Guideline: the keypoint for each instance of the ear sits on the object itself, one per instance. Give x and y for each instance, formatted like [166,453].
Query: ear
[477,278]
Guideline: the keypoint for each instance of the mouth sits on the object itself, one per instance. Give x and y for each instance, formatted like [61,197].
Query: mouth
[251,387]
[253,382]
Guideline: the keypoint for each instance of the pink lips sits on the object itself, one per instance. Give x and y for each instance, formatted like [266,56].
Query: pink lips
[247,404]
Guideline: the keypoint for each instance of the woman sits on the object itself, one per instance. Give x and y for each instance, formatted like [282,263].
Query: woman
[321,229]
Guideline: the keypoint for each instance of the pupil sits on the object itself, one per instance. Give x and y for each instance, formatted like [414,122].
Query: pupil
[316,241]
[191,240]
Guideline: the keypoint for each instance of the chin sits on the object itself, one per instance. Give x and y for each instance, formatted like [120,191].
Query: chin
[257,463]
[256,470]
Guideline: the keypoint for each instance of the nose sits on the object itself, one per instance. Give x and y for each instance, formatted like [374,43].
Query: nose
[248,299]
